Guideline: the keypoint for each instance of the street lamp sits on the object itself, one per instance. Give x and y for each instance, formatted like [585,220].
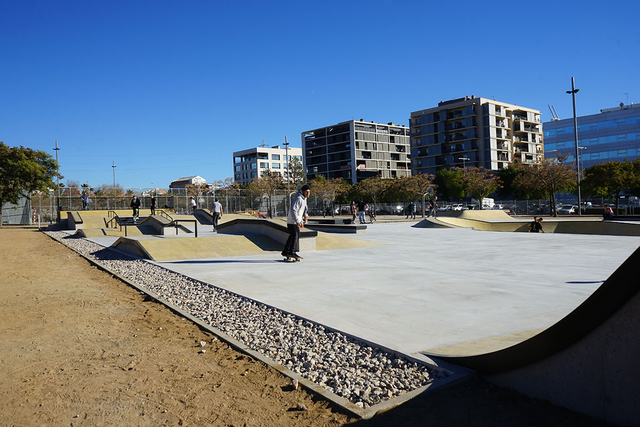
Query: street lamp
[288,172]
[573,92]
[464,160]
[581,160]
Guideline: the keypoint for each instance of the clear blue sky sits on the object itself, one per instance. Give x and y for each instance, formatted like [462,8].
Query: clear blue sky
[168,89]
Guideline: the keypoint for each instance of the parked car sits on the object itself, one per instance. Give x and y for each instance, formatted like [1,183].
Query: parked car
[568,210]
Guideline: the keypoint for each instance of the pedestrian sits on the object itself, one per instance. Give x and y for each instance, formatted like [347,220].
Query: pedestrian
[408,210]
[433,206]
[153,205]
[608,212]
[295,222]
[85,200]
[135,205]
[372,214]
[193,206]
[413,210]
[362,207]
[354,211]
[216,212]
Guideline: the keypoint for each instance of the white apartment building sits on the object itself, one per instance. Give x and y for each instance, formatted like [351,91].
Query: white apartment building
[355,150]
[249,164]
[477,132]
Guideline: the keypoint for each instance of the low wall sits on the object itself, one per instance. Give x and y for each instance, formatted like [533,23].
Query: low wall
[273,230]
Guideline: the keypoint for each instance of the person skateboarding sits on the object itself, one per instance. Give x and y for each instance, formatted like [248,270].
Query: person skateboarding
[295,222]
[135,205]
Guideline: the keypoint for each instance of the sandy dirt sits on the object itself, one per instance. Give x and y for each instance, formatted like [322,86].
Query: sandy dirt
[80,348]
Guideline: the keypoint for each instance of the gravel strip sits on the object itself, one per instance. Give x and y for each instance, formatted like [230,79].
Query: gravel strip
[363,374]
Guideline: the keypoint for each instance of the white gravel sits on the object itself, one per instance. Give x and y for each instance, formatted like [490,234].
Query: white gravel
[357,371]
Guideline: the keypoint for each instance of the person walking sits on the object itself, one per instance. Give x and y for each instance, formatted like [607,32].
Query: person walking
[216,212]
[433,206]
[295,222]
[85,200]
[153,205]
[135,205]
[413,210]
[193,205]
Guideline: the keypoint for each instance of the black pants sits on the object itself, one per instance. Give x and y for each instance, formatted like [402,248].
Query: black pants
[292,246]
[216,218]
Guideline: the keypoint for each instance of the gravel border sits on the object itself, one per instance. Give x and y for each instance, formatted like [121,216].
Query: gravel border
[364,374]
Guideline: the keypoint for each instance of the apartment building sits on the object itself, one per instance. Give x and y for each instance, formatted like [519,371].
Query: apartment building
[474,131]
[612,135]
[356,149]
[249,164]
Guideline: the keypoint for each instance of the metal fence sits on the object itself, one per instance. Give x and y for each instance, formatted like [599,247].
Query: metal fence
[44,207]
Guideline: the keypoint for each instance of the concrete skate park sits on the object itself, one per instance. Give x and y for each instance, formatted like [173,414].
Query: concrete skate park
[553,315]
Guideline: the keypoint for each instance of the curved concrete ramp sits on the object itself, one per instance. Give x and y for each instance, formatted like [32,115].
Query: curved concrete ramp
[588,361]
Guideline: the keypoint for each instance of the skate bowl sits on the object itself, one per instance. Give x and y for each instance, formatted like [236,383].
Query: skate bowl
[587,361]
[500,221]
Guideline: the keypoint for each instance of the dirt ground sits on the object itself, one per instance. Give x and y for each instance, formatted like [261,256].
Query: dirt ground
[80,348]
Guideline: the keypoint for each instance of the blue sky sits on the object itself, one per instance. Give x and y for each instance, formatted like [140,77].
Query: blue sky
[168,89]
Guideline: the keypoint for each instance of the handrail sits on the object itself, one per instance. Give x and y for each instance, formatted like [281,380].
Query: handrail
[195,222]
[164,214]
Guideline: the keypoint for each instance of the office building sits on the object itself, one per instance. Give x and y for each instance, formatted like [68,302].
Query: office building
[249,164]
[474,131]
[614,134]
[355,150]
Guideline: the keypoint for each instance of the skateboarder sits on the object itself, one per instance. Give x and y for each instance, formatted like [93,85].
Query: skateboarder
[135,205]
[216,212]
[296,221]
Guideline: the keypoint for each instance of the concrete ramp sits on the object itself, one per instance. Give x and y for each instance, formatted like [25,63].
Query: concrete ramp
[588,361]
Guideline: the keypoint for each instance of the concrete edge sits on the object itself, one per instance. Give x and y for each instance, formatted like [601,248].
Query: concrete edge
[602,304]
[453,378]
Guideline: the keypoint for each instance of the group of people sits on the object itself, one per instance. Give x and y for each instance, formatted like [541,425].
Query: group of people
[361,210]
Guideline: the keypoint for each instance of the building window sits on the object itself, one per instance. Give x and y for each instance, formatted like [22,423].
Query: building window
[264,165]
[253,165]
[275,157]
[275,165]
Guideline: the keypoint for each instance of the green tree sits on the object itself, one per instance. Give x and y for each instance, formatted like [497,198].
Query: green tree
[327,190]
[479,182]
[267,184]
[551,176]
[413,187]
[610,179]
[449,184]
[296,172]
[372,188]
[23,170]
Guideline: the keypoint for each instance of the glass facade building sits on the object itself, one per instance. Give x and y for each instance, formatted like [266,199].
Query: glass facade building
[612,135]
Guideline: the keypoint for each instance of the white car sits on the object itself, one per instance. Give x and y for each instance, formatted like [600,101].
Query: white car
[568,210]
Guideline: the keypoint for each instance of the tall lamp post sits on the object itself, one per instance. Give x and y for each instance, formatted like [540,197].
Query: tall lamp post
[58,179]
[573,92]
[464,164]
[286,149]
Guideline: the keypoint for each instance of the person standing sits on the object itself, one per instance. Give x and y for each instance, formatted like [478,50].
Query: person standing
[84,201]
[362,207]
[135,205]
[216,212]
[354,211]
[193,205]
[295,221]
[153,205]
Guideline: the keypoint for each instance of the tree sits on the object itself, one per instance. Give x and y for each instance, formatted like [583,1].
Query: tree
[610,179]
[551,176]
[372,188]
[296,172]
[449,184]
[414,186]
[479,182]
[268,183]
[327,189]
[23,170]
[508,176]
